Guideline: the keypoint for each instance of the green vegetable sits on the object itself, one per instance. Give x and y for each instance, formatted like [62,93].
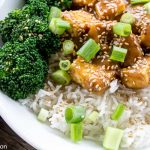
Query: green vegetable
[58,26]
[54,13]
[61,77]
[64,65]
[128,18]
[22,70]
[93,116]
[54,29]
[68,47]
[37,8]
[31,22]
[118,54]
[63,4]
[112,138]
[43,115]
[147,8]
[46,41]
[122,29]
[118,112]
[10,22]
[89,50]
[76,131]
[139,1]
[74,114]
[62,24]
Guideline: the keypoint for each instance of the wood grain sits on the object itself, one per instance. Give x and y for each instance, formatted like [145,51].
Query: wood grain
[9,138]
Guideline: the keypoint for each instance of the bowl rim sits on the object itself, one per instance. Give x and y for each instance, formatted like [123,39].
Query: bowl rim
[1,3]
[40,136]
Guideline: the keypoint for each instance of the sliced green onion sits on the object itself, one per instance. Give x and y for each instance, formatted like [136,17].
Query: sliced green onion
[62,24]
[43,115]
[93,116]
[58,26]
[139,1]
[127,18]
[118,112]
[74,114]
[64,65]
[54,13]
[122,29]
[54,28]
[118,54]
[61,77]
[89,50]
[147,8]
[68,47]
[76,131]
[112,138]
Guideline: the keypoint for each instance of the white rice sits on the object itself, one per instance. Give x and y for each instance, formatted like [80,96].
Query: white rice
[135,121]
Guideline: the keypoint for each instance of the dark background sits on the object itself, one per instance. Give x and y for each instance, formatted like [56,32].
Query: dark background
[9,138]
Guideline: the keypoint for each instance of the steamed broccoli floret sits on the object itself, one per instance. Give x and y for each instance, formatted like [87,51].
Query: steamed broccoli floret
[22,70]
[37,8]
[17,16]
[32,27]
[7,25]
[37,28]
[62,4]
[31,21]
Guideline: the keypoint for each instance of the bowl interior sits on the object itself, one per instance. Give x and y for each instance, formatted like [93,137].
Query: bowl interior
[24,122]
[39,135]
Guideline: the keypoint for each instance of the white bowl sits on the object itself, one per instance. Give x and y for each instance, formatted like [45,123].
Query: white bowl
[24,122]
[7,5]
[39,135]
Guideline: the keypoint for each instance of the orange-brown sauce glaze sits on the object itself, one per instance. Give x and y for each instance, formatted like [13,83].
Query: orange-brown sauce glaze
[95,19]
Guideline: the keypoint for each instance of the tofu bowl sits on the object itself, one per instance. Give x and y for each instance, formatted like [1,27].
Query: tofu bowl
[75,74]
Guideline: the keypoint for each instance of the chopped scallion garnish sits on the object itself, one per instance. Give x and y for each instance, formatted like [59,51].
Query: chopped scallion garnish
[122,29]
[118,112]
[43,115]
[62,24]
[127,18]
[64,65]
[58,26]
[54,28]
[118,54]
[54,13]
[93,116]
[74,114]
[89,50]
[76,131]
[147,8]
[61,77]
[139,1]
[68,47]
[112,138]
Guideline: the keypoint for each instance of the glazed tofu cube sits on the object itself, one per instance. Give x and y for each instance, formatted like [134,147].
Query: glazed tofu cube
[91,76]
[142,24]
[80,21]
[132,44]
[109,9]
[145,34]
[84,2]
[101,31]
[137,76]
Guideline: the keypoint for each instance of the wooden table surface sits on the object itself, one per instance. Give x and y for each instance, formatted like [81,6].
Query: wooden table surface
[10,139]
